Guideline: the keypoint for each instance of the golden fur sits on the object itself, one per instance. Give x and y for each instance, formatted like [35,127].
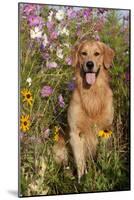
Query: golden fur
[91,109]
[91,106]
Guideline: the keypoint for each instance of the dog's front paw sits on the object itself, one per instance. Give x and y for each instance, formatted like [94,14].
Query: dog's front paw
[81,171]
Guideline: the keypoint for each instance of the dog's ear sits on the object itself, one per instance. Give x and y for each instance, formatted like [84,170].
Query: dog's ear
[75,51]
[74,55]
[108,56]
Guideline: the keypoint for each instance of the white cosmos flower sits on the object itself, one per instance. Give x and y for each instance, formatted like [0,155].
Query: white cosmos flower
[33,187]
[65,31]
[62,31]
[29,81]
[45,40]
[51,48]
[50,16]
[59,53]
[59,29]
[67,45]
[59,15]
[36,33]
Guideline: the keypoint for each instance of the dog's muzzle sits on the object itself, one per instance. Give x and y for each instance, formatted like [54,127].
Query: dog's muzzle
[88,67]
[90,75]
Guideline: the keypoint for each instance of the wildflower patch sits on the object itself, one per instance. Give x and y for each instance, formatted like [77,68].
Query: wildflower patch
[47,36]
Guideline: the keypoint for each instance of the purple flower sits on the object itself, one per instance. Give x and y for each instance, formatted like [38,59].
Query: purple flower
[29,9]
[46,54]
[61,101]
[46,91]
[42,48]
[51,65]
[35,20]
[68,61]
[87,12]
[71,85]
[50,25]
[71,13]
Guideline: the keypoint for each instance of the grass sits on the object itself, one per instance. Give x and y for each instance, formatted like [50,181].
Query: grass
[39,174]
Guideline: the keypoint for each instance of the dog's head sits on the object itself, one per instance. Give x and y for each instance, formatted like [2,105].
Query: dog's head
[90,57]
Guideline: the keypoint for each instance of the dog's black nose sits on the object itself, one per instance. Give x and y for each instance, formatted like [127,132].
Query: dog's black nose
[89,64]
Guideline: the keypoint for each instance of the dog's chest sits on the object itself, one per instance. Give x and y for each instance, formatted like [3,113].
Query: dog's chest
[96,101]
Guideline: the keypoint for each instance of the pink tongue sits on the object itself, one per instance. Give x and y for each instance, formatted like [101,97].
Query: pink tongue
[90,78]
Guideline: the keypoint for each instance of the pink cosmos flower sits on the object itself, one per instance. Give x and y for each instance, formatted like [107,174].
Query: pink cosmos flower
[46,91]
[46,133]
[54,35]
[97,37]
[61,101]
[71,13]
[35,20]
[68,61]
[29,9]
[50,25]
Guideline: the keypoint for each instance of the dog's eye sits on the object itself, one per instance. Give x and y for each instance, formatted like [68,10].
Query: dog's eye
[96,53]
[84,53]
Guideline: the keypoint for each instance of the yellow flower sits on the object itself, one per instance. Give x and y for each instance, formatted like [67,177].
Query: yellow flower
[56,134]
[27,96]
[56,137]
[105,134]
[25,123]
[101,133]
[57,129]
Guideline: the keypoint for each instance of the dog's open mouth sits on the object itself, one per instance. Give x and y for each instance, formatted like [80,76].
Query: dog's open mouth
[90,78]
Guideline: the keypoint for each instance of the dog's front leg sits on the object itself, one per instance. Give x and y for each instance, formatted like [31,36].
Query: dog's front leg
[78,147]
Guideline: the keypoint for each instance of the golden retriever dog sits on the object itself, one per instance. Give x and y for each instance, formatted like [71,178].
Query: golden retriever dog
[91,105]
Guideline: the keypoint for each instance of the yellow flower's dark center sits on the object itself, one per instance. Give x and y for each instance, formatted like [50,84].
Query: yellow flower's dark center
[25,123]
[28,96]
[106,131]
